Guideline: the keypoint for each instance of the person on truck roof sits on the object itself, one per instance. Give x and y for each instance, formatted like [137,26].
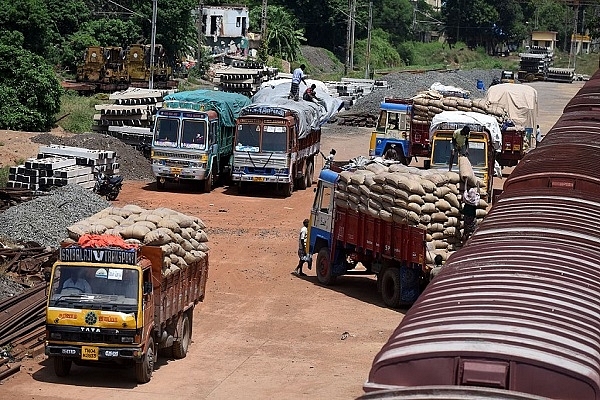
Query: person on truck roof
[297,76]
[460,144]
[310,94]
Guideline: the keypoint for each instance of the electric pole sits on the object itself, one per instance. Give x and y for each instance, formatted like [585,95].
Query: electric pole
[263,20]
[369,27]
[200,19]
[353,25]
[347,63]
[153,44]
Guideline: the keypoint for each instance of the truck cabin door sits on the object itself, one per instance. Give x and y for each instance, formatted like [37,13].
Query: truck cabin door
[322,211]
[147,297]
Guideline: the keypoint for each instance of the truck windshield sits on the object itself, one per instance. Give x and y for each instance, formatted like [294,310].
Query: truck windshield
[274,139]
[165,132]
[193,134]
[105,288]
[443,148]
[248,138]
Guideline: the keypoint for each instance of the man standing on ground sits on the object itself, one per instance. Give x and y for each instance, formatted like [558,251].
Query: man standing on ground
[297,76]
[302,255]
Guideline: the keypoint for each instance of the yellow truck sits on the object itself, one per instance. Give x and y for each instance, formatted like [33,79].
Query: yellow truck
[116,306]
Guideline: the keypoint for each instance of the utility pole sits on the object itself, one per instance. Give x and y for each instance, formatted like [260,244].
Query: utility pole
[353,18]
[574,36]
[347,63]
[200,19]
[370,26]
[153,44]
[263,20]
[458,22]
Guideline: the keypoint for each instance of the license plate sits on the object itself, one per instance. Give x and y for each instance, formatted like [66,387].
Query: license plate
[89,353]
[517,147]
[176,171]
[258,179]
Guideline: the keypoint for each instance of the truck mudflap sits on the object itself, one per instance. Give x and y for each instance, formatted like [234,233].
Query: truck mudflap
[94,353]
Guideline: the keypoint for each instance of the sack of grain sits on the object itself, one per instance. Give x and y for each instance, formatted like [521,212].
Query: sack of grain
[452,221]
[428,185]
[135,231]
[466,171]
[376,169]
[364,190]
[158,237]
[352,188]
[201,236]
[416,199]
[453,212]
[425,219]
[480,213]
[428,208]
[414,207]
[378,187]
[442,205]
[151,225]
[441,192]
[452,176]
[452,199]
[147,217]
[430,198]
[385,215]
[439,217]
[75,231]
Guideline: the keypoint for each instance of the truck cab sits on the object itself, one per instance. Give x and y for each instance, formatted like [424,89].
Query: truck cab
[393,127]
[481,153]
[100,309]
[507,77]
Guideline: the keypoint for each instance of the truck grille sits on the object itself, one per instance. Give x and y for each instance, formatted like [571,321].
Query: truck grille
[170,154]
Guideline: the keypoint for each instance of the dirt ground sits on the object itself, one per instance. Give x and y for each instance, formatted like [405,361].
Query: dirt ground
[261,332]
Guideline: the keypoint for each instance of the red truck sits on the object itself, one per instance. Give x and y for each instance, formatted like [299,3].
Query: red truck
[128,310]
[343,238]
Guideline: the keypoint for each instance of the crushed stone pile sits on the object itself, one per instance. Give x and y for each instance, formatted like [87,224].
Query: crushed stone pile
[408,84]
[45,218]
[133,165]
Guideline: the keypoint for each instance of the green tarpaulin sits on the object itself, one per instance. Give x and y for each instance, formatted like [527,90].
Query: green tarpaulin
[227,105]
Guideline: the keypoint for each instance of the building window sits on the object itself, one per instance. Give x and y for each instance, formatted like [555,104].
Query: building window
[238,22]
[548,43]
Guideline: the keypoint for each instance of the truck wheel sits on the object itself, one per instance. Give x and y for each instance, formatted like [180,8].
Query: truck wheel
[62,366]
[288,189]
[390,287]
[144,368]
[208,184]
[302,181]
[160,185]
[323,269]
[309,175]
[180,347]
[427,164]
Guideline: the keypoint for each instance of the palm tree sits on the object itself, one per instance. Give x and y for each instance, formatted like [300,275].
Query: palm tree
[283,39]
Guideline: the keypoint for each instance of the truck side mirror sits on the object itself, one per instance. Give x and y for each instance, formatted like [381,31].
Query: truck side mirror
[147,288]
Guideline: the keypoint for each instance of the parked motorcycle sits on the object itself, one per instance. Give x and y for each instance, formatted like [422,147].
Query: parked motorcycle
[108,185]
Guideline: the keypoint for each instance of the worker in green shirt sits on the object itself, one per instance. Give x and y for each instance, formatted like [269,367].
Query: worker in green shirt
[460,144]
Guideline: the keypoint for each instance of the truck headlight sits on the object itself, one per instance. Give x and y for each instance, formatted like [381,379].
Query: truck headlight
[126,339]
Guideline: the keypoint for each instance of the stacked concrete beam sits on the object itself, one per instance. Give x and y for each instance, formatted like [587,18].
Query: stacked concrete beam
[62,165]
[243,77]
[131,108]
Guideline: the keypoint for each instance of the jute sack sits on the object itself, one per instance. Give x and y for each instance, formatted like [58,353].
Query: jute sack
[379,188]
[376,196]
[430,198]
[428,208]
[341,195]
[452,199]
[380,178]
[452,221]
[425,219]
[480,213]
[341,203]
[437,235]
[442,205]
[147,217]
[439,217]
[353,198]
[135,231]
[416,199]
[134,209]
[452,176]
[466,171]
[435,227]
[158,237]
[453,212]
[427,185]
[354,189]
[385,215]
[441,192]
[151,225]
[400,212]
[414,207]
[364,190]
[376,168]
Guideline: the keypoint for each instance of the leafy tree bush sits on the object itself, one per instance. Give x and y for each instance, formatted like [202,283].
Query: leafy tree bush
[29,90]
[283,38]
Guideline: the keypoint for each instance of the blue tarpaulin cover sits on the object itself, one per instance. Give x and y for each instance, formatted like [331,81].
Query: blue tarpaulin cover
[227,105]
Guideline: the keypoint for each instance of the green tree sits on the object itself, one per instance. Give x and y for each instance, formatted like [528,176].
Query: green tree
[382,56]
[29,90]
[31,19]
[283,38]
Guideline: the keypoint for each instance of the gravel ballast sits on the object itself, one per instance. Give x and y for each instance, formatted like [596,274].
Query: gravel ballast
[408,84]
[44,219]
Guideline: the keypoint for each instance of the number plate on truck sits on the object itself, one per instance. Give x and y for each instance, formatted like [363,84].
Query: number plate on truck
[89,353]
[175,171]
[258,179]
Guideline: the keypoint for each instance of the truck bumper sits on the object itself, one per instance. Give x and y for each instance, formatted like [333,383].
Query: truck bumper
[175,174]
[236,177]
[105,354]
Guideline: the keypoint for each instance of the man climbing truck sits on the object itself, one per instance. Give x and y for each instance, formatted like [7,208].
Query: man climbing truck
[193,137]
[342,238]
[111,305]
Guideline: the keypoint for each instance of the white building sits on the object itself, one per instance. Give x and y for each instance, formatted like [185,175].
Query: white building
[225,26]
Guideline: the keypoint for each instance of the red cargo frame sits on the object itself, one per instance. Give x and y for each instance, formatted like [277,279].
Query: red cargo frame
[400,242]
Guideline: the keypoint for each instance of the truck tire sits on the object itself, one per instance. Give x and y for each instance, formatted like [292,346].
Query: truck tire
[391,287]
[288,189]
[144,368]
[208,183]
[180,347]
[160,185]
[62,366]
[427,164]
[310,168]
[302,181]
[323,268]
